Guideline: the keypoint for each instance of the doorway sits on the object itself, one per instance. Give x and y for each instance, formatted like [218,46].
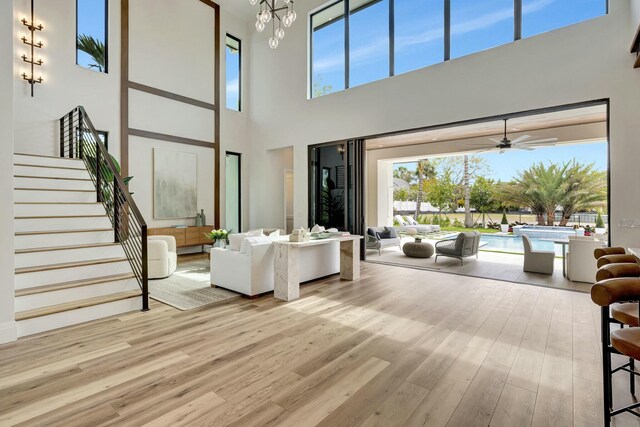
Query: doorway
[233,191]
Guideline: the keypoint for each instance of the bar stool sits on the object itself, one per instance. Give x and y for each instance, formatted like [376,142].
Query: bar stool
[615,255]
[606,294]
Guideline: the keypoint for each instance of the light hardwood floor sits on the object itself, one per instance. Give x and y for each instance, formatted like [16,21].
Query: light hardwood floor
[398,347]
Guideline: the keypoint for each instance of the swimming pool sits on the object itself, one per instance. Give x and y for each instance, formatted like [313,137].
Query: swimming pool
[514,244]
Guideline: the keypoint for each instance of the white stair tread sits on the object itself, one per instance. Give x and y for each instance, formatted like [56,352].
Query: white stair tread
[68,306]
[54,189]
[61,216]
[45,156]
[73,284]
[63,248]
[52,177]
[48,166]
[68,265]
[82,230]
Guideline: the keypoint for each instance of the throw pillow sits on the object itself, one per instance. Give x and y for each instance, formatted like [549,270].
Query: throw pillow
[235,240]
[254,233]
[391,231]
[248,241]
[275,235]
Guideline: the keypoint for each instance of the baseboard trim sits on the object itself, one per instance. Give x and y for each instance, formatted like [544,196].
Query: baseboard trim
[8,332]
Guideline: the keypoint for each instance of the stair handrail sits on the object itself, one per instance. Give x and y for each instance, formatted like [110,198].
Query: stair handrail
[80,140]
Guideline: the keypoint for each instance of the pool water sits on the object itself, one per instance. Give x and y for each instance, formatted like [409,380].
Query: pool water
[514,244]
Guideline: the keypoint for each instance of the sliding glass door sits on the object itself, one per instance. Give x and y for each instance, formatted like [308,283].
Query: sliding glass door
[233,195]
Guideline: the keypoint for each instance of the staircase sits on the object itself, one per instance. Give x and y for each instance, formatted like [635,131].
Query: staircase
[68,268]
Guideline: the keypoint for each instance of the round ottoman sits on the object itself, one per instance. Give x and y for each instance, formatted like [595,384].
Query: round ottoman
[418,249]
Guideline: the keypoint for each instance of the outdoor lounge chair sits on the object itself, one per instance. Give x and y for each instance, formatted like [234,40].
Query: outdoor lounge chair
[407,223]
[379,238]
[463,246]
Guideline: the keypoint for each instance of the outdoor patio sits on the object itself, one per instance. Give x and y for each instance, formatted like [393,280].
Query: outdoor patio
[489,265]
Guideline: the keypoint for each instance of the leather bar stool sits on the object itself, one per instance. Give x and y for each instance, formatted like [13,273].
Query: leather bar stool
[614,263]
[614,255]
[606,294]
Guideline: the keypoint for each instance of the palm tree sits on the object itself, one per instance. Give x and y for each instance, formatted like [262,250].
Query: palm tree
[585,188]
[95,49]
[424,170]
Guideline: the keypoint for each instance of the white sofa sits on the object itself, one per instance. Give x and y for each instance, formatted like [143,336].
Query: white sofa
[581,264]
[162,256]
[251,273]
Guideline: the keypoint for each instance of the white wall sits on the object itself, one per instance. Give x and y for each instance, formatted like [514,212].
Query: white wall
[174,60]
[268,203]
[66,85]
[7,324]
[542,71]
[234,125]
[142,183]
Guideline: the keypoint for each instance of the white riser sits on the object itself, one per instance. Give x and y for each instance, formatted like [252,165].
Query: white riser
[49,277]
[67,318]
[48,161]
[50,224]
[39,209]
[45,299]
[35,259]
[53,196]
[62,239]
[66,184]
[50,172]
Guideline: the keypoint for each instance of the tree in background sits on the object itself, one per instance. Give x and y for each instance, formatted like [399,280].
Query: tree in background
[424,170]
[545,188]
[319,89]
[440,191]
[585,189]
[464,170]
[483,197]
[95,49]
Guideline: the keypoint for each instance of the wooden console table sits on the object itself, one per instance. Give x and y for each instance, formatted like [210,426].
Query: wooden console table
[286,284]
[185,236]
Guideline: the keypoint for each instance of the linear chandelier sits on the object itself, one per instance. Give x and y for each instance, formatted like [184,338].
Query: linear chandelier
[281,15]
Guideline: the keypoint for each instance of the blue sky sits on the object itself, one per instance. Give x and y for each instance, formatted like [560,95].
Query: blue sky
[91,21]
[233,78]
[419,25]
[505,166]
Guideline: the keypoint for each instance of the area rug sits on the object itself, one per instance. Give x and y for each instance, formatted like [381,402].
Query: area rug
[189,287]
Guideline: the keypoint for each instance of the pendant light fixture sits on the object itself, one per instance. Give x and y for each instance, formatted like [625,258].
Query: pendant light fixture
[279,16]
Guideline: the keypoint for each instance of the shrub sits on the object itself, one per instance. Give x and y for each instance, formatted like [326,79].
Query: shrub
[396,223]
[504,221]
[424,219]
[599,221]
[457,223]
[445,222]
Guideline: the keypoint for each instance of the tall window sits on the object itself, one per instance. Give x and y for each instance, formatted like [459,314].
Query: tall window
[327,50]
[477,26]
[368,41]
[540,16]
[380,38]
[91,34]
[419,34]
[233,193]
[234,72]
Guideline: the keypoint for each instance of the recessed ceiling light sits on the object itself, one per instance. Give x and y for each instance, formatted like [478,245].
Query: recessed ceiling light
[380,145]
[515,129]
[434,139]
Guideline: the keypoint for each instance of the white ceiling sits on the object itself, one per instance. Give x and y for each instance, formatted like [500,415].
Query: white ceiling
[530,125]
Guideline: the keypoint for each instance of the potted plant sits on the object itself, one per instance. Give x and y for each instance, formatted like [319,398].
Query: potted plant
[600,227]
[218,237]
[504,224]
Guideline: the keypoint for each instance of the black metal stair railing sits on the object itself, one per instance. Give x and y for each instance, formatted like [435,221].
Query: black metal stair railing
[79,140]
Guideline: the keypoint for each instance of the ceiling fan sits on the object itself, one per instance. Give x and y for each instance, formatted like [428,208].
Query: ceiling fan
[520,143]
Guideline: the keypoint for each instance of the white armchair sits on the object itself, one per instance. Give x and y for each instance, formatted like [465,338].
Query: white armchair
[537,261]
[581,264]
[162,256]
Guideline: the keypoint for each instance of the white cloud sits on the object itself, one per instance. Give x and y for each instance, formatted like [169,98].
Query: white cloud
[233,87]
